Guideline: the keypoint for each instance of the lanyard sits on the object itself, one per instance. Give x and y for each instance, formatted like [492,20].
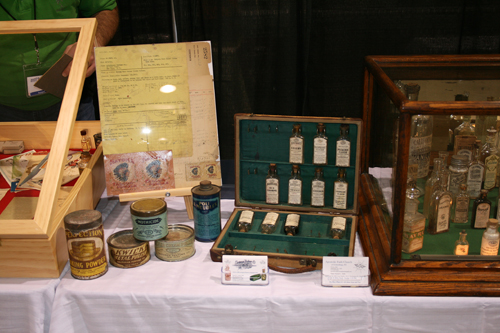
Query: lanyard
[34,35]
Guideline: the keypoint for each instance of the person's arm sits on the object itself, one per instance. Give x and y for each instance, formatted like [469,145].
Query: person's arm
[107,24]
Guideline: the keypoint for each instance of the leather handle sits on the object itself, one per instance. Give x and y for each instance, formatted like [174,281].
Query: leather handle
[292,270]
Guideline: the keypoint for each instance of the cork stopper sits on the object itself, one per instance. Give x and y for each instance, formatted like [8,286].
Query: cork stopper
[205,185]
[83,132]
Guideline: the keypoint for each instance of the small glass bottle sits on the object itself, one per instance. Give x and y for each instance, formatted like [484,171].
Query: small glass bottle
[343,147]
[320,156]
[430,185]
[246,221]
[297,145]
[461,245]
[86,146]
[268,226]
[458,173]
[490,159]
[413,228]
[444,170]
[337,229]
[475,175]
[490,240]
[465,138]
[318,189]
[420,144]
[272,185]
[292,224]
[439,213]
[340,188]
[460,208]
[481,211]
[295,187]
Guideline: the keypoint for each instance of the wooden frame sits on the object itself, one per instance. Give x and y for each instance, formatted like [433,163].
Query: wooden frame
[36,248]
[392,275]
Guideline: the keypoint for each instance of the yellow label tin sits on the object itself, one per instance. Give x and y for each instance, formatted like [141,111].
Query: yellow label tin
[177,245]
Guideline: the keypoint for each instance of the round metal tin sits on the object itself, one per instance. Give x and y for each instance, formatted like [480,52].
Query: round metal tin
[125,251]
[178,245]
[85,240]
[149,219]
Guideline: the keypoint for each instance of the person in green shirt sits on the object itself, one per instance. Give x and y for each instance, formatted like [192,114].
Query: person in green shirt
[24,58]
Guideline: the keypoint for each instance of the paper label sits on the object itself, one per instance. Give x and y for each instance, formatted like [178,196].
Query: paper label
[345,271]
[338,222]
[343,153]
[318,193]
[474,180]
[295,192]
[489,247]
[482,215]
[443,214]
[246,216]
[340,196]
[292,220]
[490,175]
[319,155]
[244,270]
[271,218]
[462,210]
[461,250]
[296,150]
[272,191]
[420,154]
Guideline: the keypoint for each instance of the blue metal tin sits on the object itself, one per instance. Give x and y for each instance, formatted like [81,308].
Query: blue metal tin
[206,211]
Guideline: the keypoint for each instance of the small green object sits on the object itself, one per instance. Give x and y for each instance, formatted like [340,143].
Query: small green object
[255,277]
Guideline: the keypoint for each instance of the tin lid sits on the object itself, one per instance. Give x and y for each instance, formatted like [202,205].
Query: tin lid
[124,240]
[83,219]
[178,232]
[148,207]
[459,160]
[205,188]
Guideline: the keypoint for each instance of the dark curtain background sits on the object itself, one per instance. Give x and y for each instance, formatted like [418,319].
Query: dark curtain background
[305,57]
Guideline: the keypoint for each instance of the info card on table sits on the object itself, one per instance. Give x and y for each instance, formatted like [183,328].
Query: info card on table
[345,272]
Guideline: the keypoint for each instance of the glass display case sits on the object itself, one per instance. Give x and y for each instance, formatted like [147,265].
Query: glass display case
[429,184]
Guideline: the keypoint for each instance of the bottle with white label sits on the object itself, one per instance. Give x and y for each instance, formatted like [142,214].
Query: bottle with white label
[343,147]
[490,240]
[337,229]
[292,224]
[246,221]
[296,145]
[272,185]
[465,138]
[295,187]
[460,208]
[461,245]
[490,159]
[268,226]
[320,156]
[413,227]
[318,189]
[481,211]
[340,188]
[475,175]
[439,212]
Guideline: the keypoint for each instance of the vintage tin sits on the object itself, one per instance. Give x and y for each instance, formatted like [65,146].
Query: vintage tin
[125,251]
[206,211]
[177,245]
[85,239]
[149,219]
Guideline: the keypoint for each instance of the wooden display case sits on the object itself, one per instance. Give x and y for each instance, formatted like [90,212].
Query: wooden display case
[37,247]
[388,113]
[264,139]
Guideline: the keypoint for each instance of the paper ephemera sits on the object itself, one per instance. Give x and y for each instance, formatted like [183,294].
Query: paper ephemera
[138,172]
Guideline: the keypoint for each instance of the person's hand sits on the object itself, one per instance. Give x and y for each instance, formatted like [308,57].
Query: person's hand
[70,50]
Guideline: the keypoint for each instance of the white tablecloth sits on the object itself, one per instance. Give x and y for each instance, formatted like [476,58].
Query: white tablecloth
[26,304]
[188,296]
